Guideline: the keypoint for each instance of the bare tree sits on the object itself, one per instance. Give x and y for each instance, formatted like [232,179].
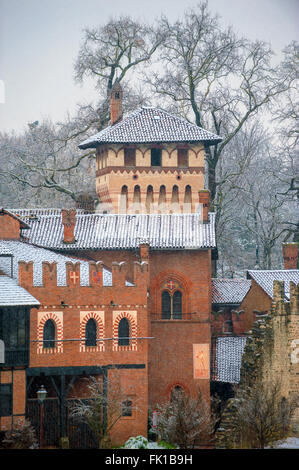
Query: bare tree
[257,417]
[46,156]
[215,79]
[185,421]
[106,404]
[109,53]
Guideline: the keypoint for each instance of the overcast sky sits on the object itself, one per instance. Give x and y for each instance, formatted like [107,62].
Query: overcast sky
[39,41]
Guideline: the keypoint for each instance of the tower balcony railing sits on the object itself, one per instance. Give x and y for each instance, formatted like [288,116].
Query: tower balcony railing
[173,316]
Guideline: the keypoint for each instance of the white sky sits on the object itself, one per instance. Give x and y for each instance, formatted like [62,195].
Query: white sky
[39,41]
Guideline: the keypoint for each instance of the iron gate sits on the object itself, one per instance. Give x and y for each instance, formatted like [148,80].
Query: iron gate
[79,433]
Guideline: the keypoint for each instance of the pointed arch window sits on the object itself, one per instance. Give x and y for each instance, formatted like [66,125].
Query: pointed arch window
[123,332]
[49,334]
[91,333]
[171,305]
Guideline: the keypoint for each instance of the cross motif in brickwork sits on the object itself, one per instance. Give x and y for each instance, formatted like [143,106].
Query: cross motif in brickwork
[170,285]
[96,276]
[74,276]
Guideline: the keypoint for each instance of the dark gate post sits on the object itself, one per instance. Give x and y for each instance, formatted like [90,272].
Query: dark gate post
[62,406]
[105,392]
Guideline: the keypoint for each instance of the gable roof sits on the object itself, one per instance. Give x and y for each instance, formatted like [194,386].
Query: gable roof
[124,231]
[150,125]
[265,279]
[229,291]
[23,224]
[12,295]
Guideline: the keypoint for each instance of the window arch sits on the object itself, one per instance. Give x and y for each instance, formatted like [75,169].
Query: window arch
[124,199]
[171,305]
[149,198]
[91,333]
[49,334]
[123,332]
[175,392]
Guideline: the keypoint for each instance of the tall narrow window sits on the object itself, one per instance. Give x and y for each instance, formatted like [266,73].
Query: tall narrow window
[177,305]
[123,332]
[156,157]
[130,157]
[182,158]
[149,198]
[175,206]
[91,333]
[166,305]
[49,334]
[162,200]
[123,203]
[188,199]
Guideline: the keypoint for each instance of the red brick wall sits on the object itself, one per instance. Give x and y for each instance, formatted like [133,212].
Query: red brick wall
[168,357]
[9,228]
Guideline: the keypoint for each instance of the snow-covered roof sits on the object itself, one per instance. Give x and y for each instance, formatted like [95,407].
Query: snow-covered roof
[150,125]
[227,358]
[124,231]
[229,291]
[265,279]
[25,252]
[12,295]
[4,250]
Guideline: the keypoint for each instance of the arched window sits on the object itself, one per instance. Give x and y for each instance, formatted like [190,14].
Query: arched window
[171,305]
[175,392]
[91,333]
[166,305]
[124,199]
[188,199]
[149,198]
[49,334]
[123,332]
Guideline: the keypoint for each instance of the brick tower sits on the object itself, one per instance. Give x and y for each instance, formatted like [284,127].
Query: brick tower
[149,161]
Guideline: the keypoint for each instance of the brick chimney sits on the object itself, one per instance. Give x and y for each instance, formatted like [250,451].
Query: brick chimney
[69,222]
[204,199]
[290,255]
[116,104]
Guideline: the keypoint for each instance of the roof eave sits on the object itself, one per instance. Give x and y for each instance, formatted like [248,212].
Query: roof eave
[95,144]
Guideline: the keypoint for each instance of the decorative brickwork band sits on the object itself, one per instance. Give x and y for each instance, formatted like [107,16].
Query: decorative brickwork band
[132,318]
[57,318]
[99,318]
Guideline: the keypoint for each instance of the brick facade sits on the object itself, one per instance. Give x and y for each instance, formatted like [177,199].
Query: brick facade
[160,354]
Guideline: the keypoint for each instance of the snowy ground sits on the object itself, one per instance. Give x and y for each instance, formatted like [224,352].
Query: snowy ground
[290,443]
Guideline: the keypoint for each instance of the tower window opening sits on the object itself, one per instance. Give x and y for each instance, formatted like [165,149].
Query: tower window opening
[156,157]
[171,305]
[130,157]
[182,158]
